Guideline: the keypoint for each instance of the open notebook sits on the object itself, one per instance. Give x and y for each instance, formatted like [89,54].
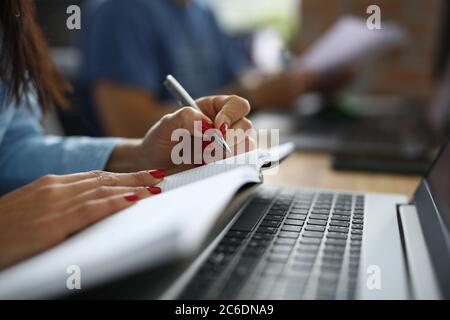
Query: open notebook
[150,233]
[252,161]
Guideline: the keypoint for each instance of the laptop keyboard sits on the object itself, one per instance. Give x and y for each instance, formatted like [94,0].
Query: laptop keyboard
[286,244]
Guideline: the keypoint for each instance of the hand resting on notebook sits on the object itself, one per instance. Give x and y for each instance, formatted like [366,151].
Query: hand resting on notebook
[50,209]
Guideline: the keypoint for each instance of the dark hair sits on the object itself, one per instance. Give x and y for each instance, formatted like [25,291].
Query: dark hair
[25,63]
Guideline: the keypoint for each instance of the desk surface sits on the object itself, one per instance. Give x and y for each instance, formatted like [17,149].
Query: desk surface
[314,170]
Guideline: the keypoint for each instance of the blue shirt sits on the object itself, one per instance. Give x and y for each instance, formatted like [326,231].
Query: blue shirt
[138,42]
[26,153]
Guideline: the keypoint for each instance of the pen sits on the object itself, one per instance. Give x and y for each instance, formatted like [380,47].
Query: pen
[184,99]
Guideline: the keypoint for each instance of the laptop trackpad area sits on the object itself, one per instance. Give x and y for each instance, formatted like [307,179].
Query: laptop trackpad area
[383,273]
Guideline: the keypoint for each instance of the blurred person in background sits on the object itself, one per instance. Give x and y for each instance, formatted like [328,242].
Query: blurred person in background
[129,47]
[51,187]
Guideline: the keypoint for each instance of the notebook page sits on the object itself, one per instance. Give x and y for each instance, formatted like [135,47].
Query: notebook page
[251,160]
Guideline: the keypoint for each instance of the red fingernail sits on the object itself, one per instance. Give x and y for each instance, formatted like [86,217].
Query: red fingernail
[224,129]
[206,125]
[205,143]
[131,197]
[154,190]
[158,174]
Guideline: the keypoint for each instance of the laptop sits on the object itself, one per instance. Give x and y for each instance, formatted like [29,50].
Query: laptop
[301,243]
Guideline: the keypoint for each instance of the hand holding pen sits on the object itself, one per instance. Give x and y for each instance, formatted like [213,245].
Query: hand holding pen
[184,99]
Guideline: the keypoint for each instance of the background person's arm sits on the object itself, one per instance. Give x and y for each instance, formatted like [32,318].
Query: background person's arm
[126,111]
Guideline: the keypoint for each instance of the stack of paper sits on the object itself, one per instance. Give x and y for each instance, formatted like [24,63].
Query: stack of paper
[350,42]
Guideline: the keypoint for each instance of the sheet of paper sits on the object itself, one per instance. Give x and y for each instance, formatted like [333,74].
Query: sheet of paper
[348,42]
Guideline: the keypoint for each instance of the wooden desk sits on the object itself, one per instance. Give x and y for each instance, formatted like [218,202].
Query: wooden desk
[314,170]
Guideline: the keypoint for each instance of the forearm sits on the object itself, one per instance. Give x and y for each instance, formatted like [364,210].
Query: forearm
[32,157]
[126,111]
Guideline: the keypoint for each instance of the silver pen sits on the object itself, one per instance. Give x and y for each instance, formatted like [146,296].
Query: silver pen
[184,99]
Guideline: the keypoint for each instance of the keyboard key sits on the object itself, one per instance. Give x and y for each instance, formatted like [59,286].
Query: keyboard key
[339,224]
[308,247]
[258,243]
[274,218]
[331,249]
[226,249]
[278,248]
[266,230]
[333,260]
[237,234]
[291,228]
[357,232]
[336,235]
[278,258]
[356,237]
[305,258]
[277,212]
[336,242]
[310,241]
[297,216]
[285,241]
[287,234]
[338,229]
[303,266]
[262,236]
[273,269]
[318,216]
[253,252]
[356,221]
[340,218]
[320,211]
[317,222]
[270,223]
[315,228]
[357,227]
[313,234]
[294,222]
[355,243]
[299,211]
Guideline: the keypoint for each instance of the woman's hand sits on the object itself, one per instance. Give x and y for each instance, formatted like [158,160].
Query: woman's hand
[155,150]
[47,211]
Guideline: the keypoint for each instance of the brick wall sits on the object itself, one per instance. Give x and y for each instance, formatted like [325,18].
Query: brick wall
[409,70]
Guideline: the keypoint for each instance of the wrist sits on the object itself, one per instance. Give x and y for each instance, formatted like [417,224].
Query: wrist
[127,156]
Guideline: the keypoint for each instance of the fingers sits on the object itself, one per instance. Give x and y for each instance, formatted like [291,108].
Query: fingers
[92,211]
[185,118]
[240,132]
[224,109]
[108,179]
[104,192]
[246,145]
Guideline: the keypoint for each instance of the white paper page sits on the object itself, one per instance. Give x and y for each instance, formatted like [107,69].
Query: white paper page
[348,42]
[253,160]
[157,229]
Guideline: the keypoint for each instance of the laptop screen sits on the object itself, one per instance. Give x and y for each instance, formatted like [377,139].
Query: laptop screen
[439,183]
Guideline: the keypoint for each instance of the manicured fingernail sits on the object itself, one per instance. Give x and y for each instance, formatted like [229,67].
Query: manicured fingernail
[131,197]
[154,190]
[206,125]
[158,174]
[224,129]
